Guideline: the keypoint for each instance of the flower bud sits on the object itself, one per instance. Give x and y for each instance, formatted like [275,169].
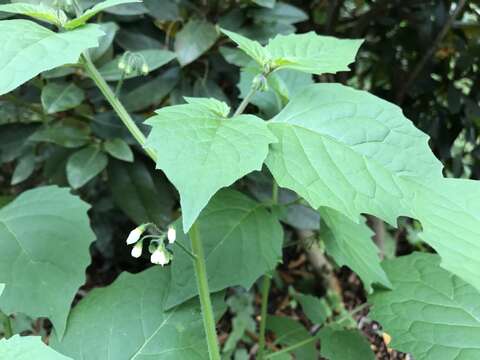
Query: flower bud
[122,65]
[135,235]
[145,70]
[137,250]
[171,234]
[160,256]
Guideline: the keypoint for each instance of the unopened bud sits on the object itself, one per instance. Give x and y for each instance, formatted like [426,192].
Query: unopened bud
[137,250]
[135,234]
[145,70]
[171,234]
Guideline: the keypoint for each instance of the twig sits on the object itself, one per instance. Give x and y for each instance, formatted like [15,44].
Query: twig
[423,61]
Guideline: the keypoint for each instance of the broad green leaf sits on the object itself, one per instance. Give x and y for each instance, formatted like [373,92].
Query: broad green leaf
[342,344]
[201,150]
[40,11]
[27,348]
[338,147]
[196,37]
[143,196]
[58,97]
[2,286]
[351,244]
[309,52]
[430,312]
[84,165]
[128,321]
[44,249]
[317,310]
[154,59]
[289,332]
[231,227]
[70,134]
[163,10]
[25,40]
[240,304]
[280,13]
[119,149]
[87,15]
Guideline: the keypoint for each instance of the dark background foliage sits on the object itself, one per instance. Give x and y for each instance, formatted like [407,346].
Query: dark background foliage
[421,54]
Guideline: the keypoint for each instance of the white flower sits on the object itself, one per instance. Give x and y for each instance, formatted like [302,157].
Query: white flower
[137,250]
[135,235]
[171,234]
[160,257]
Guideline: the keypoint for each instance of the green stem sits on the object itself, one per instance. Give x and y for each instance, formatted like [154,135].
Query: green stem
[263,316]
[265,290]
[116,104]
[245,102]
[118,88]
[204,293]
[7,325]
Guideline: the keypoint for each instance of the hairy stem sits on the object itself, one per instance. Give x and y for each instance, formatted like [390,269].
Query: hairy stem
[199,259]
[204,293]
[7,325]
[116,104]
[263,316]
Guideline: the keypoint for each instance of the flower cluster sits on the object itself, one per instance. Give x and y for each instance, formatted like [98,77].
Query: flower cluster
[131,62]
[159,253]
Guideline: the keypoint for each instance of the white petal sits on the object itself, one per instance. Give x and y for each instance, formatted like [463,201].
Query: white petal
[171,235]
[136,251]
[134,236]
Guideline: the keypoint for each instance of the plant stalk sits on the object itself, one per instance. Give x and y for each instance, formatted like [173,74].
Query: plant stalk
[7,325]
[265,291]
[204,293]
[245,102]
[199,260]
[263,316]
[116,104]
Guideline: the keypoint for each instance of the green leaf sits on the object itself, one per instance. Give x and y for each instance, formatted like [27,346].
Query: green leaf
[201,150]
[24,168]
[309,52]
[317,310]
[240,305]
[337,144]
[87,15]
[24,40]
[127,320]
[40,11]
[232,227]
[342,344]
[58,97]
[289,332]
[14,140]
[27,348]
[196,37]
[143,196]
[430,312]
[350,244]
[265,3]
[151,93]
[2,286]
[84,165]
[154,59]
[70,134]
[119,149]
[44,249]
